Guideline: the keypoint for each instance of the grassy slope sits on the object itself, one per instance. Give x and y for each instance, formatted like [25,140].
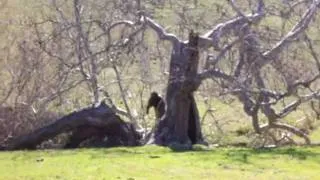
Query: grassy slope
[161,163]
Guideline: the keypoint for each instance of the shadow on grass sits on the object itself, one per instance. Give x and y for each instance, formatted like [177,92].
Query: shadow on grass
[152,151]
[242,155]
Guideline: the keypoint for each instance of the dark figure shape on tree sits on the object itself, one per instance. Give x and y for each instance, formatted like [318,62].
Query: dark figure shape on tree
[157,103]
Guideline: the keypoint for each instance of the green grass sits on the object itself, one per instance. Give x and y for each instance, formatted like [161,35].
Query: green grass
[161,163]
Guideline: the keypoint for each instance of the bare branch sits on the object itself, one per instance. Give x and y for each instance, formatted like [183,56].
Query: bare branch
[113,106]
[214,73]
[297,29]
[293,106]
[261,6]
[107,31]
[289,128]
[225,50]
[236,8]
[313,52]
[162,34]
[59,11]
[123,96]
[212,37]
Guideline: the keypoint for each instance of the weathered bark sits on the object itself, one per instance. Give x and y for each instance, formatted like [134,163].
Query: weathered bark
[101,119]
[180,123]
[115,134]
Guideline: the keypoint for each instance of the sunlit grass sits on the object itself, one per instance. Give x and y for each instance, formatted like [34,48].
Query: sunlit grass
[162,163]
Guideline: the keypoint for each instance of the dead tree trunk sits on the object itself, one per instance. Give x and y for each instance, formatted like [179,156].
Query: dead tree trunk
[101,118]
[180,124]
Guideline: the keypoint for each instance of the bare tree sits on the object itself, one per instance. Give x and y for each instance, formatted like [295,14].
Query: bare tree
[243,54]
[180,124]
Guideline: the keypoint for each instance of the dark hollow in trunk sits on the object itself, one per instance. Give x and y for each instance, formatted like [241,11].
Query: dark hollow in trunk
[180,123]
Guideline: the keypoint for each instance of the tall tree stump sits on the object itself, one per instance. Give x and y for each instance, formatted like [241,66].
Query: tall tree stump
[180,123]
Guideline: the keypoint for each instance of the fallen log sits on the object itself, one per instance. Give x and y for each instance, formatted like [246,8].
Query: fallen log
[100,117]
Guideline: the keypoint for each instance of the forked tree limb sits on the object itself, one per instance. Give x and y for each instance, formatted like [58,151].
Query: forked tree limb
[286,127]
[161,32]
[212,37]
